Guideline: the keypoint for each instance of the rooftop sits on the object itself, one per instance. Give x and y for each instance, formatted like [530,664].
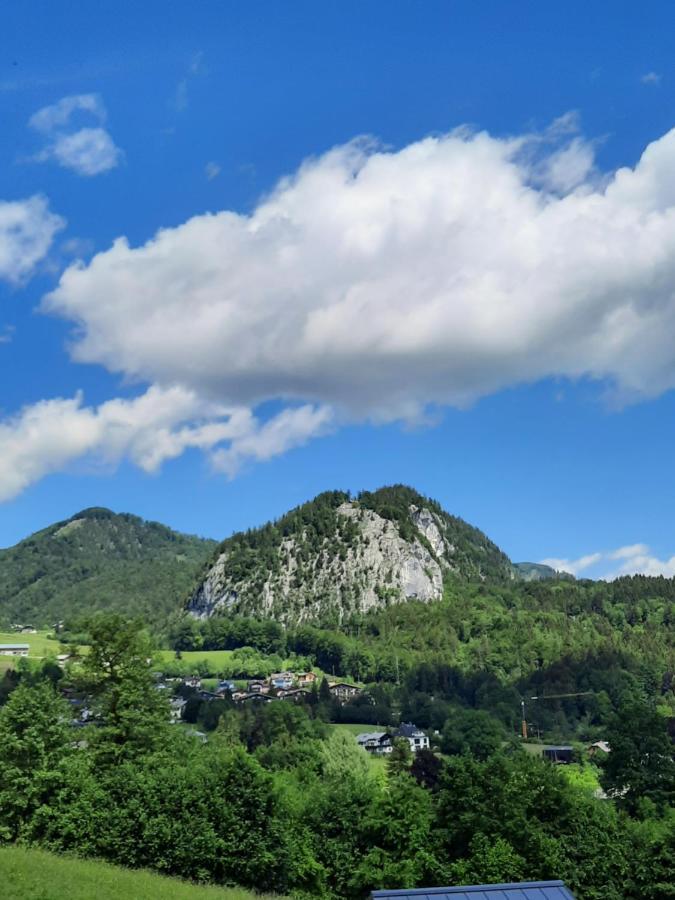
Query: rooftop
[526,890]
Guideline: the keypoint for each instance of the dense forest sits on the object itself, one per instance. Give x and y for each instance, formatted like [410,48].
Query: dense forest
[484,646]
[277,799]
[101,560]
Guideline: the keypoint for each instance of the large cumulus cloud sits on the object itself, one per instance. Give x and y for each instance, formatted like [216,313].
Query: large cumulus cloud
[378,282]
[369,285]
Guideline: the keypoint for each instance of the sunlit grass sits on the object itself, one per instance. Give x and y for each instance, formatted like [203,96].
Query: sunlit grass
[36,875]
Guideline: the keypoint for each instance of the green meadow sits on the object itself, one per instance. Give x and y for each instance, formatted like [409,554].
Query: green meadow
[36,875]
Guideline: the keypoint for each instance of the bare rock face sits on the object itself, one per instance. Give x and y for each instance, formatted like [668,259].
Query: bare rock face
[377,567]
[336,556]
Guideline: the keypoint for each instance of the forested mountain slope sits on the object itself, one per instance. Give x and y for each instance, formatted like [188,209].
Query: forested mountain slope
[99,560]
[338,555]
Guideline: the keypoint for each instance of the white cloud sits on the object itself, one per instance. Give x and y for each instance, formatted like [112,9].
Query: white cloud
[634,559]
[59,114]
[181,98]
[89,151]
[212,170]
[290,428]
[27,229]
[380,282]
[651,78]
[86,150]
[159,425]
[573,566]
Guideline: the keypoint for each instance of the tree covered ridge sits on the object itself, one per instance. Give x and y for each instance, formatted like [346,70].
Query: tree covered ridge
[317,561]
[474,554]
[317,520]
[98,559]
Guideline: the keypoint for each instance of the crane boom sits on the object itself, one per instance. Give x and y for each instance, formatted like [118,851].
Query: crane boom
[547,697]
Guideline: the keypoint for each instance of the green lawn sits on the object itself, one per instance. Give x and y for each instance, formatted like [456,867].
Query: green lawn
[36,875]
[357,729]
[215,658]
[40,645]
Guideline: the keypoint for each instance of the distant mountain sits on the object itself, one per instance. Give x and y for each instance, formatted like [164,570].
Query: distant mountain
[99,560]
[336,555]
[527,571]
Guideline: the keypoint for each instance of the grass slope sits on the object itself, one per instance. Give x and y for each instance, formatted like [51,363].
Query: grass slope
[40,646]
[35,875]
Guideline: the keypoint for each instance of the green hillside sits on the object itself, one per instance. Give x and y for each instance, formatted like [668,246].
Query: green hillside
[338,555]
[98,559]
[35,875]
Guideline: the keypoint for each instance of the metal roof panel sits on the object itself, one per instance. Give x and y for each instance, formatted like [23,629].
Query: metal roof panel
[529,890]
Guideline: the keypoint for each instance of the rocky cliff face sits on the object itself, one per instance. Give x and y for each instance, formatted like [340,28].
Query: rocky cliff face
[338,557]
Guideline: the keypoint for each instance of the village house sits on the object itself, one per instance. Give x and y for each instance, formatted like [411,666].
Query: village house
[178,704]
[256,698]
[208,696]
[415,736]
[14,649]
[598,747]
[226,686]
[297,694]
[24,629]
[192,681]
[376,742]
[282,681]
[258,687]
[305,679]
[562,755]
[342,691]
[382,742]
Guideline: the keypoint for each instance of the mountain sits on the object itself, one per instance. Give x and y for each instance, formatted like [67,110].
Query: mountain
[527,571]
[337,554]
[99,559]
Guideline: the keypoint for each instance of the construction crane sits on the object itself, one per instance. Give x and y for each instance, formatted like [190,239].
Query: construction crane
[546,697]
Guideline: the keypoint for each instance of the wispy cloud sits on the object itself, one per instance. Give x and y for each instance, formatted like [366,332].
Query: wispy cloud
[181,98]
[159,425]
[653,78]
[632,559]
[212,170]
[87,150]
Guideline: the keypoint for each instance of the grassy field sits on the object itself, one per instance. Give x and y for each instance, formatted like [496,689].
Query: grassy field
[39,646]
[36,875]
[357,729]
[215,658]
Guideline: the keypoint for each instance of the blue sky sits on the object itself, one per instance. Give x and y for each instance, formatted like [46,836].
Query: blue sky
[482,314]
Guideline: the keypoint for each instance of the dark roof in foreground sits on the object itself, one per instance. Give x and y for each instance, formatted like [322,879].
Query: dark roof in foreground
[526,890]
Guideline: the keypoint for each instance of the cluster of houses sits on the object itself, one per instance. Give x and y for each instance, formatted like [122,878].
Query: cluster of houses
[380,743]
[293,686]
